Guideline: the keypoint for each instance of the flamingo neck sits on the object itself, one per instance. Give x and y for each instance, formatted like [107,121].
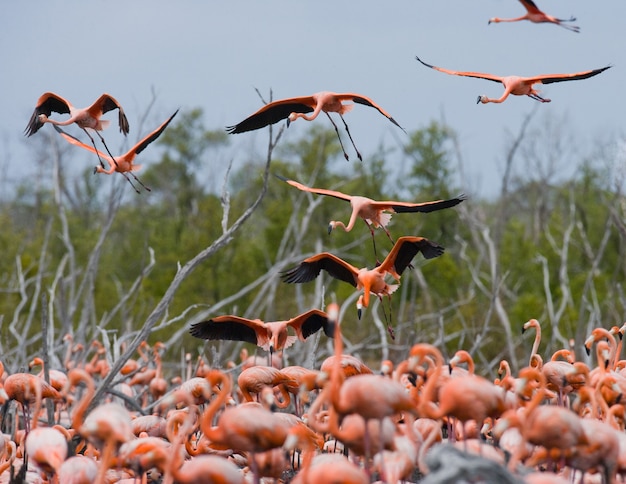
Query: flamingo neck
[214,377]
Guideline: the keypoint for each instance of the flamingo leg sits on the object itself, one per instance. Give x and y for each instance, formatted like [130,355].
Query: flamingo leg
[338,137]
[350,136]
[537,97]
[371,229]
[94,145]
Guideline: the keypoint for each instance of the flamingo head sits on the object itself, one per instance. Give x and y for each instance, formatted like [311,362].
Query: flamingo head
[494,20]
[42,118]
[482,99]
[331,226]
[292,117]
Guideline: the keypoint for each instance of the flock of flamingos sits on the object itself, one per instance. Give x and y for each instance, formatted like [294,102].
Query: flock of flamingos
[420,419]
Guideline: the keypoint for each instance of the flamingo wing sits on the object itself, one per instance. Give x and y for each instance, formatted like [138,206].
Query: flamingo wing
[406,248]
[232,328]
[318,191]
[530,6]
[311,322]
[272,113]
[550,78]
[76,142]
[479,75]
[310,268]
[46,104]
[106,103]
[139,147]
[424,207]
[366,101]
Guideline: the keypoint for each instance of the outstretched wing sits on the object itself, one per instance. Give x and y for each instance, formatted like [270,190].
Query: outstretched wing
[272,113]
[550,78]
[76,142]
[232,328]
[405,249]
[139,147]
[366,101]
[46,104]
[425,207]
[318,191]
[310,268]
[479,75]
[311,322]
[106,103]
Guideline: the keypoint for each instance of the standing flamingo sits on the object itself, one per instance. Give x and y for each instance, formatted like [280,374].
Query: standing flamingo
[271,336]
[537,16]
[519,86]
[249,428]
[374,213]
[370,280]
[88,117]
[123,163]
[297,107]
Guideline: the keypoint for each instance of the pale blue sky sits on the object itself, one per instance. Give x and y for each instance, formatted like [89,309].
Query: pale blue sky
[213,54]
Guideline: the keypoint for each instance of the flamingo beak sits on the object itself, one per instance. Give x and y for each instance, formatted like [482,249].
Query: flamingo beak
[359,311]
[288,122]
[478,100]
[330,228]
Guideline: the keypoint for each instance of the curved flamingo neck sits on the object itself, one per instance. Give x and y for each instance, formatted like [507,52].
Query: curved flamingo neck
[214,377]
[76,376]
[533,323]
[540,391]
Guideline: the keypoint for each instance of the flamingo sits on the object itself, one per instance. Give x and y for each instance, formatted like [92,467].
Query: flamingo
[88,117]
[297,107]
[374,213]
[123,163]
[271,336]
[370,280]
[517,85]
[46,447]
[537,16]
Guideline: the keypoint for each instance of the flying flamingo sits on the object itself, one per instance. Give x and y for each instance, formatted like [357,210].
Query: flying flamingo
[519,86]
[537,16]
[370,280]
[271,336]
[374,213]
[88,117]
[297,107]
[123,163]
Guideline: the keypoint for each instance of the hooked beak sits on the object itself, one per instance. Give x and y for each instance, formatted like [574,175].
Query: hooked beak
[359,311]
[330,228]
[288,122]
[478,100]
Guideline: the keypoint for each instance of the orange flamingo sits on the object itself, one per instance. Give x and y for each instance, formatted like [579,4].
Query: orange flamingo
[533,323]
[271,336]
[537,16]
[297,107]
[123,163]
[47,447]
[88,117]
[28,389]
[252,380]
[519,86]
[375,213]
[551,426]
[373,397]
[78,470]
[370,280]
[249,428]
[469,398]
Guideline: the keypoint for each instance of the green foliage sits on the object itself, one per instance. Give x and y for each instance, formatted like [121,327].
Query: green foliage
[561,228]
